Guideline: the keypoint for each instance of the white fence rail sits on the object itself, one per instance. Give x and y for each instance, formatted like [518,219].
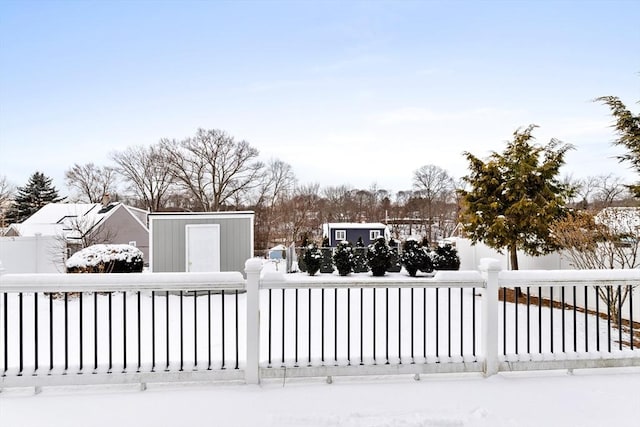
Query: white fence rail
[161,327]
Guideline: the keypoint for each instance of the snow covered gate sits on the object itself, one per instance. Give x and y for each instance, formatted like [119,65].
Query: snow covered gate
[186,327]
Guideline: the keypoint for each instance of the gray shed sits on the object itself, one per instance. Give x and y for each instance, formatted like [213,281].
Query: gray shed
[200,241]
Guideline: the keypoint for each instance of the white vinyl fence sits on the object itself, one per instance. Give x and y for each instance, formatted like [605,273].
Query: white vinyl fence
[163,327]
[32,254]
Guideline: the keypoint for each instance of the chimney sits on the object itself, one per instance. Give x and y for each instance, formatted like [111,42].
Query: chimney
[106,199]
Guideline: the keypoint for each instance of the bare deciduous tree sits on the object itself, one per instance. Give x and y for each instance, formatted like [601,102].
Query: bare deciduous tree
[435,187]
[91,182]
[7,191]
[339,204]
[303,212]
[275,187]
[213,167]
[609,189]
[606,240]
[147,174]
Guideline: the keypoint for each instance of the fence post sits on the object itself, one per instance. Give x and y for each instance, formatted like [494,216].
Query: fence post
[252,268]
[490,269]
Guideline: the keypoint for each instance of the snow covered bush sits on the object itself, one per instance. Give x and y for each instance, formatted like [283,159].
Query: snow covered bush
[379,257]
[415,257]
[326,264]
[312,259]
[396,264]
[303,248]
[360,257]
[106,259]
[343,258]
[445,258]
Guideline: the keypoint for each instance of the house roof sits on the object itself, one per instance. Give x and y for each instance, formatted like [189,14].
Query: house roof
[66,218]
[35,229]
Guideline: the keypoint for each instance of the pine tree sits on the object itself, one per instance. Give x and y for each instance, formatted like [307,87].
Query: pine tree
[627,127]
[343,258]
[515,196]
[360,257]
[379,257]
[445,258]
[415,257]
[312,259]
[37,193]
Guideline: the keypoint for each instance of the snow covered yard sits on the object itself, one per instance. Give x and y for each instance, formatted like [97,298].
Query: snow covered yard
[605,397]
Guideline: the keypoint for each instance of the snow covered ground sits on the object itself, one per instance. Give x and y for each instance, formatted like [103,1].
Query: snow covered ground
[606,397]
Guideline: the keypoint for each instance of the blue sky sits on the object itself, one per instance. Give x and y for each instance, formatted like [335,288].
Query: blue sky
[351,93]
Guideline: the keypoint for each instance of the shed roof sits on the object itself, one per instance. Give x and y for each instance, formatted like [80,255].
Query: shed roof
[360,225]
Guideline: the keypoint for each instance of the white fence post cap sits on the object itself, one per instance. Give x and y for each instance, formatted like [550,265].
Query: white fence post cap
[489,264]
[253,265]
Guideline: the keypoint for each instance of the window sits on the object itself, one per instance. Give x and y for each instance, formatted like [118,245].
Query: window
[341,235]
[374,234]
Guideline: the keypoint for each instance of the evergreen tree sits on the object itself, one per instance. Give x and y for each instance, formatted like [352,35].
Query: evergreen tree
[445,258]
[312,258]
[627,127]
[343,258]
[415,257]
[37,193]
[515,196]
[379,257]
[360,257]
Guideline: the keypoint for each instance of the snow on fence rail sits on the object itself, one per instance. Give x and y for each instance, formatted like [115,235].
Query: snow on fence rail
[160,327]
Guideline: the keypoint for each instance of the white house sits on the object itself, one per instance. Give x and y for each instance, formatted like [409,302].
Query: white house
[79,224]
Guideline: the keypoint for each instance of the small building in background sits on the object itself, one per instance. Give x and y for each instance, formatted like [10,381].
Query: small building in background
[78,225]
[200,241]
[351,231]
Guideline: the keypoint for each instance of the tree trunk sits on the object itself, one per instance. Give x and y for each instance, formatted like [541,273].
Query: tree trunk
[513,257]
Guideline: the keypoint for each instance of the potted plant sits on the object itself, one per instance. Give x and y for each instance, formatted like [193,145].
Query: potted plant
[379,257]
[343,258]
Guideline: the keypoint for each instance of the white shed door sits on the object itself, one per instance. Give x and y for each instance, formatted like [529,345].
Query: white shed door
[203,247]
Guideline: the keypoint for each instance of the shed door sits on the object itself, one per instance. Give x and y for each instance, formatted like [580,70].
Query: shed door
[203,247]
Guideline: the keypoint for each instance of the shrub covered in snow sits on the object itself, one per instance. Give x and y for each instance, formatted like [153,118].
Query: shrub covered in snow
[312,258]
[396,264]
[445,258]
[106,259]
[343,258]
[360,257]
[326,264]
[379,257]
[415,257]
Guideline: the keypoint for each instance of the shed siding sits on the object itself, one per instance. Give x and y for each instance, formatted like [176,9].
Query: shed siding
[169,240]
[353,234]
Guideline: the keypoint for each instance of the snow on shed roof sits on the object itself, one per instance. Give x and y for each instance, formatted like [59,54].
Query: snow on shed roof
[366,225]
